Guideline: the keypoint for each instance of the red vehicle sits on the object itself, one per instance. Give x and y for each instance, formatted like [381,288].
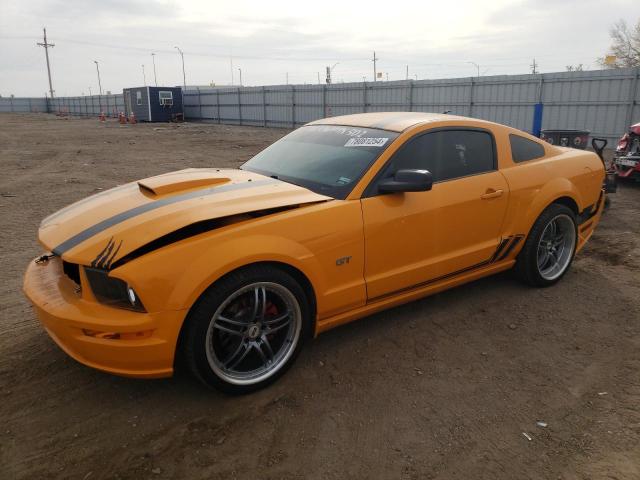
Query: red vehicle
[627,156]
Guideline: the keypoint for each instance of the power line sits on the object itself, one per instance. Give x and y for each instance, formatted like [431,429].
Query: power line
[47,46]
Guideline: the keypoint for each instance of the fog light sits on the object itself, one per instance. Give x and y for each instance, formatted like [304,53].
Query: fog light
[132,296]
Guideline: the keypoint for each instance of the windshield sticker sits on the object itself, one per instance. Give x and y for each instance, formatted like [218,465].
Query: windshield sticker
[366,142]
[347,131]
[343,181]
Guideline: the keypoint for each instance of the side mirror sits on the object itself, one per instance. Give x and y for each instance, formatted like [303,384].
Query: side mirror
[407,181]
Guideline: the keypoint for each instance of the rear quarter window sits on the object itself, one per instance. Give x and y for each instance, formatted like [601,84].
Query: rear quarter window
[523,149]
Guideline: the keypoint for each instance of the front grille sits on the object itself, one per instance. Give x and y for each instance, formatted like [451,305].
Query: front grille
[72,270]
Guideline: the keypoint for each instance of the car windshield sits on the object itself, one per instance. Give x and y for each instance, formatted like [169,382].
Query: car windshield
[327,159]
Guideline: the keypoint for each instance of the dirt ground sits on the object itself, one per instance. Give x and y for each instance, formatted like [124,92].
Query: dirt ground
[442,388]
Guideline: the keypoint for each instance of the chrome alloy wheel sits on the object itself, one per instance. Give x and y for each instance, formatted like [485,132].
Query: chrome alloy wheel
[556,246]
[253,333]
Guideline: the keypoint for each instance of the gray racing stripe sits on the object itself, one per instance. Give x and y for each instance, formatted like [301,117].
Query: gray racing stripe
[147,207]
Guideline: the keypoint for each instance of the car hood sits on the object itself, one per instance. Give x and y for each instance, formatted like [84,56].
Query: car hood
[105,227]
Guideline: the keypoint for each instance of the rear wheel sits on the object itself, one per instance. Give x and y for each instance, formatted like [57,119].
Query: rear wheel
[246,330]
[550,247]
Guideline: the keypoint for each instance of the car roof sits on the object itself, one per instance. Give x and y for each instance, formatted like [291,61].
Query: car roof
[394,121]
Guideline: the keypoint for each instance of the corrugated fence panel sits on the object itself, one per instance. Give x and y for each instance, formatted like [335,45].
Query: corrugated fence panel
[87,106]
[388,96]
[604,102]
[279,106]
[22,104]
[344,99]
[442,95]
[599,101]
[309,103]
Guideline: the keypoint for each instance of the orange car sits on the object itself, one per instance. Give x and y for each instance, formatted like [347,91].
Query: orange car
[232,270]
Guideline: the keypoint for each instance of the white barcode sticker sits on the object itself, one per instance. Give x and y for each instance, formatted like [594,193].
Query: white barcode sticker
[366,142]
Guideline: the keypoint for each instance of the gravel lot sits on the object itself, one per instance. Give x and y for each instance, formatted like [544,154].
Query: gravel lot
[442,388]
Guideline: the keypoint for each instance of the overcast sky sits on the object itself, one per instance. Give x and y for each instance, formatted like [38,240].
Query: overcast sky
[267,39]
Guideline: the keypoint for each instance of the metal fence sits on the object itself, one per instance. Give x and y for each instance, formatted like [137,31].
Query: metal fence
[22,104]
[604,102]
[88,106]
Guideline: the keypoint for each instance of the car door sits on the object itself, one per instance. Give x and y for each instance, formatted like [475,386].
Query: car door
[418,237]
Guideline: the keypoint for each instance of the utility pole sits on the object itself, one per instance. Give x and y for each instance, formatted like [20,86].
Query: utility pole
[184,78]
[89,91]
[240,71]
[534,67]
[318,78]
[387,74]
[330,71]
[144,77]
[407,75]
[155,77]
[98,70]
[375,73]
[287,78]
[46,53]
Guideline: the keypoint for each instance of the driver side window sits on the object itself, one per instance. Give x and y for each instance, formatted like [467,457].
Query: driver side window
[447,154]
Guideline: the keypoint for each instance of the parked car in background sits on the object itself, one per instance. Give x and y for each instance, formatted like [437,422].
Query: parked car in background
[627,156]
[233,270]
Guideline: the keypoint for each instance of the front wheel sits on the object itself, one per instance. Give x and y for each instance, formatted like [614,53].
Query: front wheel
[550,247]
[246,330]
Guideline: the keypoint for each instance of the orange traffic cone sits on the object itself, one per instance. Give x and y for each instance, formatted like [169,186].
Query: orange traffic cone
[132,118]
[121,118]
[102,117]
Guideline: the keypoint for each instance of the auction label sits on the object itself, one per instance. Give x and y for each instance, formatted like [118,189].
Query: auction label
[366,142]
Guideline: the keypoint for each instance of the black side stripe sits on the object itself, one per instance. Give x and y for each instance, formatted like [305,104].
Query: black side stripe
[510,248]
[503,244]
[134,212]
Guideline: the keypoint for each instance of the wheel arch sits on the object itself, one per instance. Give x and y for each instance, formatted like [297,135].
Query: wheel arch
[561,191]
[290,269]
[567,201]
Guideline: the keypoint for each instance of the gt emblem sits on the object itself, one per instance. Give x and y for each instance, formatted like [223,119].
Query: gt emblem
[343,260]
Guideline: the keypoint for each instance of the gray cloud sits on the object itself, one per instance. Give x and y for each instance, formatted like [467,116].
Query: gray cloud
[121,34]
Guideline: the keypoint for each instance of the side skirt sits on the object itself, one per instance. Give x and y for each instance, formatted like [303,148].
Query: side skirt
[412,294]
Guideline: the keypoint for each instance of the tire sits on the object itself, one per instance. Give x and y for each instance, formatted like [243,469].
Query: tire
[246,330]
[535,263]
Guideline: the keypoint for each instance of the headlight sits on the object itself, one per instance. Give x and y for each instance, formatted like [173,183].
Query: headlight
[113,291]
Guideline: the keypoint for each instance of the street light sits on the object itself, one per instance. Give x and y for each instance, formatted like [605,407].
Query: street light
[240,71]
[155,77]
[184,78]
[98,70]
[477,67]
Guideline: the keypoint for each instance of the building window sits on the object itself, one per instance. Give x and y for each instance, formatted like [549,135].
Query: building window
[166,97]
[139,98]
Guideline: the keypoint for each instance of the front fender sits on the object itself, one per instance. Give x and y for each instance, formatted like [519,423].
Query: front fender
[225,257]
[310,240]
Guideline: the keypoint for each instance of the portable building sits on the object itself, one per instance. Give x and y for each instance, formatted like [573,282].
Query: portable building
[154,104]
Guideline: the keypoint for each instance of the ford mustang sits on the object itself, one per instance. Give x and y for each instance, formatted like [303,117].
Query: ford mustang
[232,270]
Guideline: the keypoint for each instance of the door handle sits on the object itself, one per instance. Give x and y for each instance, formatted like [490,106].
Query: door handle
[491,193]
